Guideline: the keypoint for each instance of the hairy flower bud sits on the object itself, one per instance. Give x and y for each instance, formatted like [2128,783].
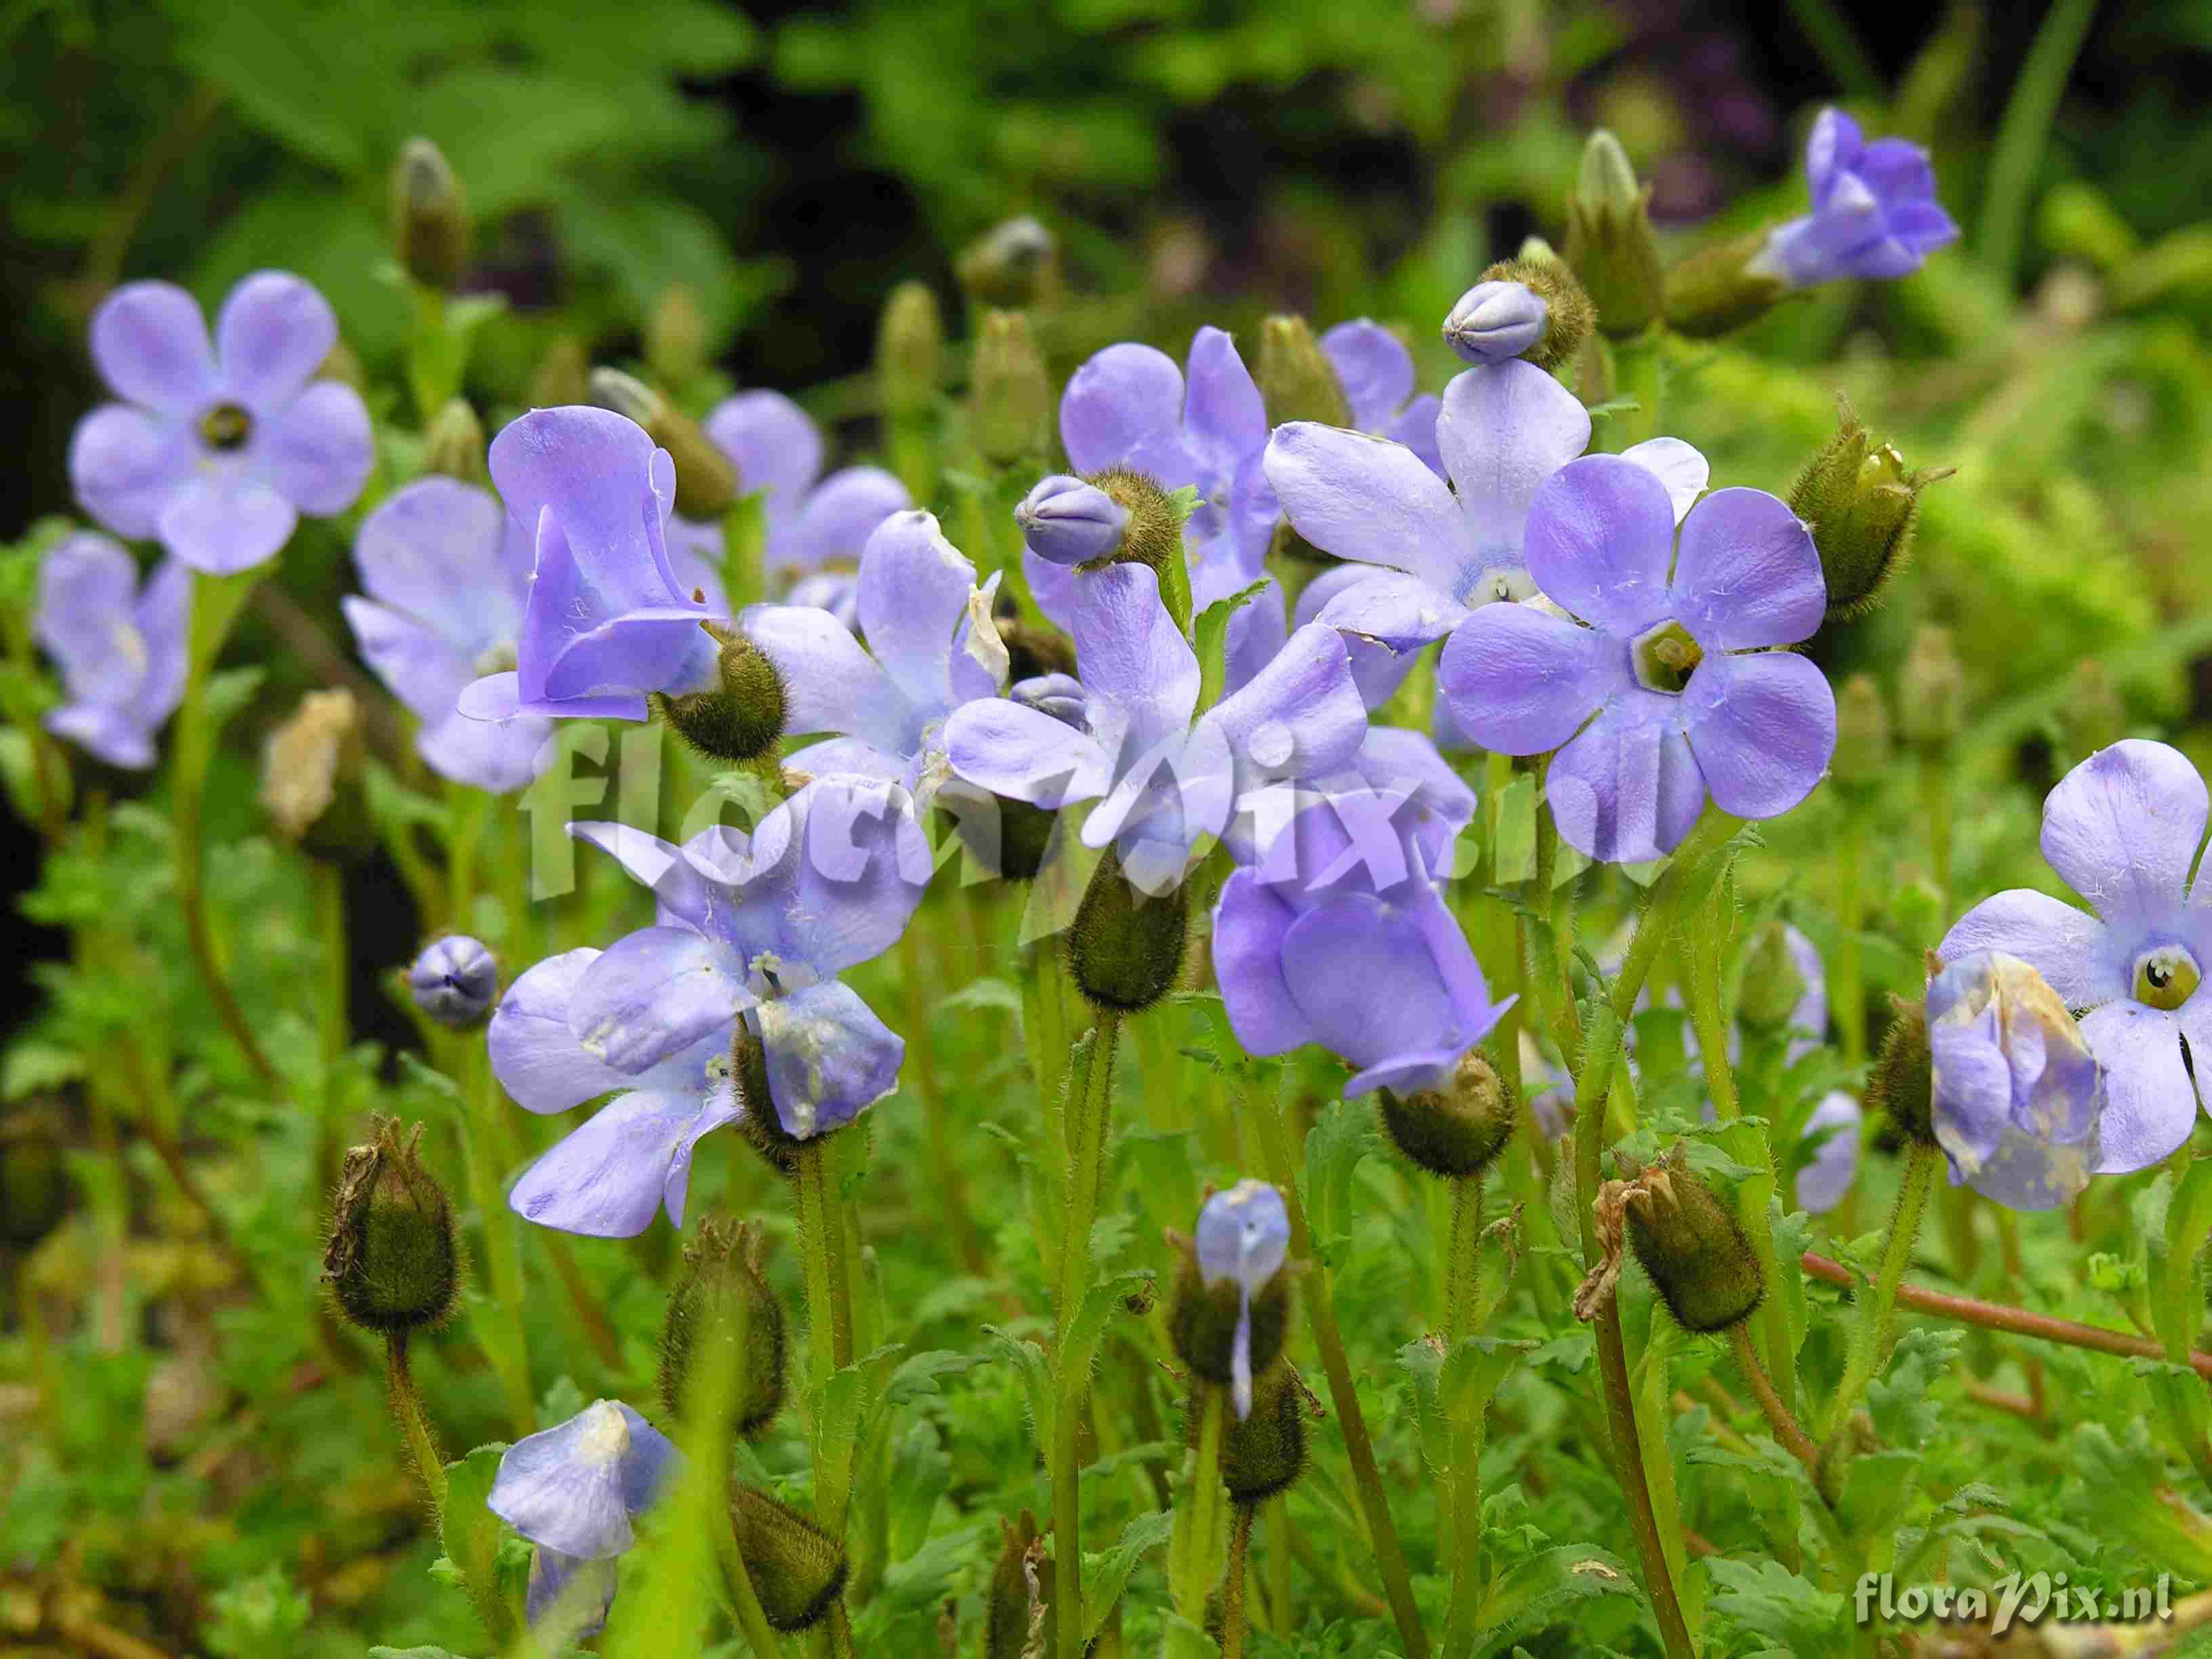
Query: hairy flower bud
[1900,1086]
[454,445]
[1494,321]
[1009,394]
[393,1260]
[909,351]
[429,216]
[454,980]
[740,720]
[1568,315]
[723,1297]
[1126,947]
[1723,288]
[1610,244]
[1021,1584]
[1931,690]
[798,1570]
[761,1126]
[1863,743]
[1694,1249]
[1296,380]
[676,336]
[705,483]
[34,1186]
[564,375]
[1013,265]
[1066,521]
[1457,1131]
[1262,1455]
[1773,983]
[1861,502]
[311,784]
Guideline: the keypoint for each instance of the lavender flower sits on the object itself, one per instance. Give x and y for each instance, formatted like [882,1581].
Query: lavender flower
[120,648]
[931,647]
[2122,830]
[217,449]
[1495,321]
[1874,212]
[2017,1094]
[752,932]
[1824,1180]
[1670,662]
[573,1491]
[454,980]
[606,619]
[1376,373]
[1165,780]
[1329,941]
[1244,1236]
[447,573]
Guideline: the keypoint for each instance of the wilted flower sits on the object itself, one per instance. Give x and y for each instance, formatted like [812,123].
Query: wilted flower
[120,648]
[573,1491]
[454,980]
[1874,212]
[739,973]
[217,449]
[447,575]
[1243,1238]
[1671,663]
[2017,1093]
[2122,830]
[305,762]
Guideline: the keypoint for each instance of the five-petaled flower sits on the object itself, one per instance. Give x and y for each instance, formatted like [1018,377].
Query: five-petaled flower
[573,1491]
[1874,212]
[120,647]
[217,449]
[1657,687]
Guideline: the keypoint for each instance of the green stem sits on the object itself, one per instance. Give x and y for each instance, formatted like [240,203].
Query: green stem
[1547,964]
[2010,185]
[1877,1304]
[1191,1572]
[1277,1148]
[745,1600]
[414,1423]
[1663,902]
[1847,967]
[336,1024]
[1779,1417]
[1463,1296]
[1232,1595]
[920,1070]
[1090,1109]
[498,1317]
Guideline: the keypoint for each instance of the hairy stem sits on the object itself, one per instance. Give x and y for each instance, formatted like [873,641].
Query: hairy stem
[1232,1595]
[1877,1307]
[413,1422]
[1089,1108]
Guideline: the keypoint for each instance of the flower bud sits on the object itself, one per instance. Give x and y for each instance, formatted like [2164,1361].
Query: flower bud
[1231,1308]
[741,720]
[1456,1131]
[1021,1585]
[1723,288]
[1931,690]
[762,1125]
[1900,1086]
[1009,395]
[1863,743]
[393,1260]
[1066,521]
[1014,265]
[1610,244]
[1126,947]
[429,216]
[676,336]
[454,445]
[723,1297]
[1494,321]
[1298,382]
[1262,1455]
[1694,1249]
[1567,314]
[454,980]
[909,351]
[34,1186]
[1153,533]
[564,375]
[1773,983]
[311,777]
[1860,502]
[798,1570]
[2094,716]
[705,483]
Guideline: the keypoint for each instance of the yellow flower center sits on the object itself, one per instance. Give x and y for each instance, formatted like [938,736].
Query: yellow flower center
[2165,977]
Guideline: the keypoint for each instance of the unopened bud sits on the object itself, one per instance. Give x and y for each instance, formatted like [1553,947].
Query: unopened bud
[1901,1085]
[676,336]
[454,980]
[1566,314]
[1494,321]
[34,1186]
[1931,690]
[1458,1130]
[1296,380]
[739,720]
[454,445]
[1860,501]
[564,375]
[1126,947]
[1066,521]
[1015,265]
[1774,982]
[1021,1583]
[1009,395]
[1863,742]
[429,216]
[1694,1249]
[723,1297]
[311,777]
[705,483]
[910,351]
[1610,244]
[1263,1455]
[798,1570]
[1723,288]
[393,1260]
[760,1125]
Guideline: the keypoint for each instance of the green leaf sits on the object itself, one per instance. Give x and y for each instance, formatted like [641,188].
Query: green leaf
[1345,1135]
[1764,1598]
[1540,1592]
[1035,1371]
[1106,1574]
[916,1376]
[1897,1399]
[472,1535]
[1210,638]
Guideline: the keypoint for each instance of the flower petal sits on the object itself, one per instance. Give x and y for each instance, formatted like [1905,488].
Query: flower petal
[125,466]
[914,595]
[317,449]
[1380,662]
[497,756]
[1024,754]
[1601,541]
[2068,946]
[1249,921]
[847,860]
[1746,573]
[597,478]
[675,879]
[272,335]
[534,1054]
[1519,680]
[831,684]
[839,517]
[609,1177]
[87,586]
[653,994]
[1417,429]
[431,551]
[828,1057]
[1684,471]
[149,343]
[1504,429]
[1301,715]
[774,446]
[1361,972]
[1224,418]
[571,1488]
[1762,727]
[1375,369]
[1121,396]
[1127,648]
[223,525]
[2150,1104]
[1822,1184]
[2123,828]
[424,670]
[1628,789]
[1368,498]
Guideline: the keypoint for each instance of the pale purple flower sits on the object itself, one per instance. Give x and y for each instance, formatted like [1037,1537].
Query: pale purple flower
[120,648]
[2017,1094]
[1066,521]
[454,980]
[2123,830]
[1358,954]
[1165,781]
[217,449]
[1655,687]
[1874,212]
[1244,1237]
[1824,1179]
[931,646]
[447,575]
[1495,321]
[573,1490]
[1376,373]
[607,619]
[1398,799]
[751,930]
